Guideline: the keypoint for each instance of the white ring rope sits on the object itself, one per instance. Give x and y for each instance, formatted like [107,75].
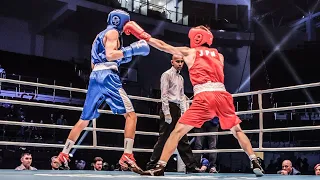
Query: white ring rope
[68,88]
[302,86]
[119,131]
[53,126]
[67,107]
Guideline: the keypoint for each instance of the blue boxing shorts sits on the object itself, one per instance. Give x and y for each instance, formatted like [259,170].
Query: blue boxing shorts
[105,85]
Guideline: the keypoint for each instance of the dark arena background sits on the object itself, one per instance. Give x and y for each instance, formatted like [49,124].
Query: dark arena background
[45,64]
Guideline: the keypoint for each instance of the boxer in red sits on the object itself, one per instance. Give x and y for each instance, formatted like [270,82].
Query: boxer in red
[211,99]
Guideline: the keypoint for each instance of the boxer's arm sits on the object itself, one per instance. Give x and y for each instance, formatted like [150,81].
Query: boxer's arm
[110,44]
[133,28]
[162,46]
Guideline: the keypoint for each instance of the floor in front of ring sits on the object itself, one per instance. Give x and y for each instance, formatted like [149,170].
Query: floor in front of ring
[119,175]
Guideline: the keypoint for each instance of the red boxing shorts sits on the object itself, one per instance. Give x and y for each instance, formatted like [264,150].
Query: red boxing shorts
[209,104]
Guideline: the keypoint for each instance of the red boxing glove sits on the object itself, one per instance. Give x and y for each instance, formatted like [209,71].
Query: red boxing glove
[133,28]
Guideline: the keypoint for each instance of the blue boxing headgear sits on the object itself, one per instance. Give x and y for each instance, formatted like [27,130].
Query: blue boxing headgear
[118,18]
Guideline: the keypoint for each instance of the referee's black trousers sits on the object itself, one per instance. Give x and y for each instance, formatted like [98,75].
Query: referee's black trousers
[165,129]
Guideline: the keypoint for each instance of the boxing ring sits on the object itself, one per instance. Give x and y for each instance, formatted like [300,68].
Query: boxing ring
[9,174]
[119,175]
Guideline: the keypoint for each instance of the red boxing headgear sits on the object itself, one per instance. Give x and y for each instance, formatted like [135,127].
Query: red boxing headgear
[199,36]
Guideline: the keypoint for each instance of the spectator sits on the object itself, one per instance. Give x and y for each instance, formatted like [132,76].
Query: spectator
[287,169]
[38,133]
[22,130]
[81,164]
[62,120]
[52,132]
[59,132]
[52,119]
[55,164]
[2,72]
[106,167]
[97,163]
[317,170]
[31,130]
[26,161]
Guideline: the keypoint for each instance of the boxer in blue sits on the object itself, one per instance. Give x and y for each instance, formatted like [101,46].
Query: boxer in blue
[107,54]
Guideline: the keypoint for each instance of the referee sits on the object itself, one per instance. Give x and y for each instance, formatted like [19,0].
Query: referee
[173,105]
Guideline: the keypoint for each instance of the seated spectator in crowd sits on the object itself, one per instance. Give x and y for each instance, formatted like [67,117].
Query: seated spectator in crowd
[55,164]
[26,160]
[107,167]
[81,164]
[317,170]
[97,163]
[287,169]
[2,72]
[62,120]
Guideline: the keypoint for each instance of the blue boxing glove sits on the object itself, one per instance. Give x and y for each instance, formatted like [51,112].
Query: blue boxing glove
[137,48]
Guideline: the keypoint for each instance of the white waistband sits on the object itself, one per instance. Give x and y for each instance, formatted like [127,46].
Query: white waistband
[106,65]
[208,86]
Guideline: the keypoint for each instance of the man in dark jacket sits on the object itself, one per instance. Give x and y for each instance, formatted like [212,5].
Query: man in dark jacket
[287,169]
